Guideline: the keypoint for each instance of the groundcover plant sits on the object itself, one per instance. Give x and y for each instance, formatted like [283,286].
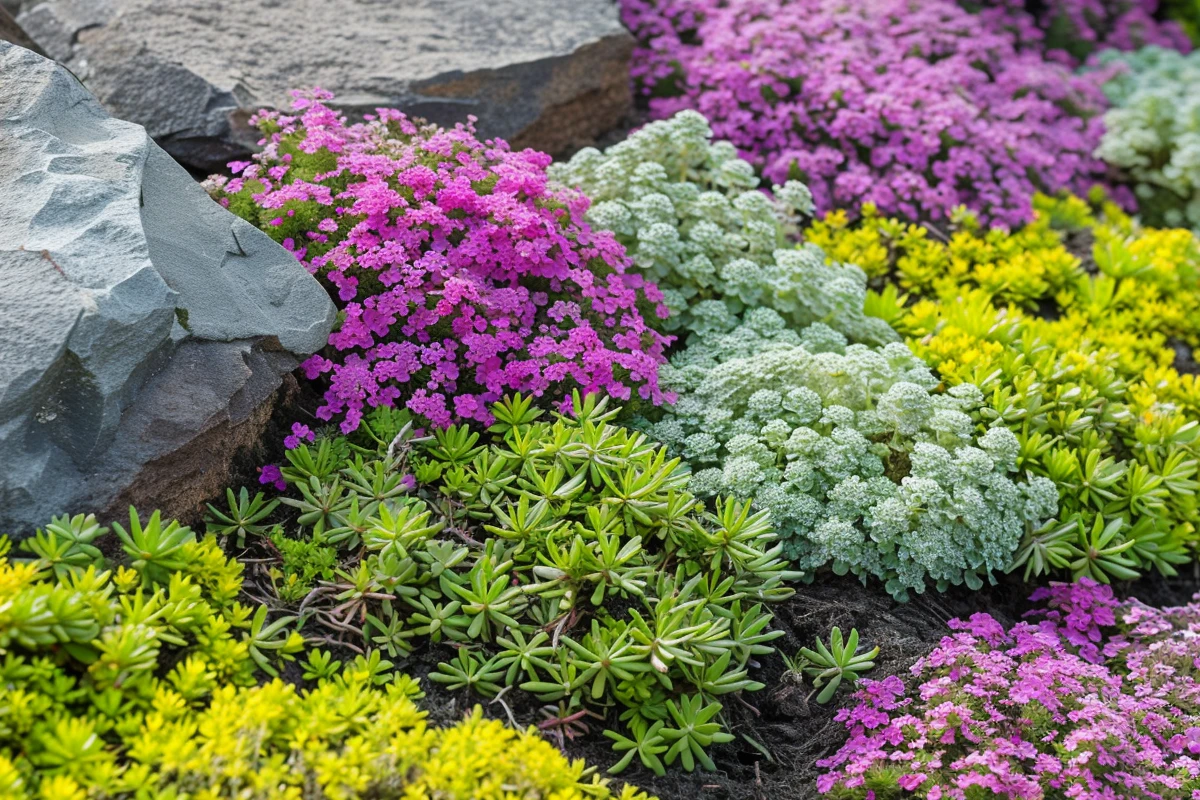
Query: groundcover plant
[1092,697]
[141,674]
[561,556]
[863,466]
[1152,132]
[918,106]
[688,211]
[460,274]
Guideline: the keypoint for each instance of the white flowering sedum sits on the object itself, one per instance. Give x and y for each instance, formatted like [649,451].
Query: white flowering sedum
[1153,131]
[690,214]
[863,467]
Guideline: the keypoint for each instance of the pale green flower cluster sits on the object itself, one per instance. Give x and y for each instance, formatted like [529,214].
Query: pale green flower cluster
[1153,131]
[862,466]
[692,218]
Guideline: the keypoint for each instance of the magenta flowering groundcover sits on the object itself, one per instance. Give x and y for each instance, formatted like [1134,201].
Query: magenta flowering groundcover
[461,274]
[917,106]
[1090,698]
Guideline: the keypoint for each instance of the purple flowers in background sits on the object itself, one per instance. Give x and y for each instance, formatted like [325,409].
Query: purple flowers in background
[1073,29]
[1090,698]
[915,105]
[460,273]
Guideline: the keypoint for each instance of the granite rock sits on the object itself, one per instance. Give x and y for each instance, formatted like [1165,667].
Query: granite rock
[140,317]
[540,73]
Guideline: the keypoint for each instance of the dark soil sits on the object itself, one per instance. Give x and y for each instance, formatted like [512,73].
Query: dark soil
[1185,358]
[1081,243]
[298,398]
[638,117]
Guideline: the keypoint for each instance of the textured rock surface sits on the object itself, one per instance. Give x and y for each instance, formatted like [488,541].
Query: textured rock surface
[541,73]
[142,323]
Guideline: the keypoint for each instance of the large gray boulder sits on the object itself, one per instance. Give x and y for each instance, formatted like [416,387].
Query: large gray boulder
[549,74]
[146,330]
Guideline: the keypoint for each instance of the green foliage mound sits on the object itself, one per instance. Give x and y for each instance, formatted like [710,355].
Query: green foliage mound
[691,215]
[564,557]
[1152,132]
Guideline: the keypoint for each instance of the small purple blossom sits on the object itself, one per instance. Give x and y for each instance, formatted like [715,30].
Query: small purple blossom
[300,433]
[272,475]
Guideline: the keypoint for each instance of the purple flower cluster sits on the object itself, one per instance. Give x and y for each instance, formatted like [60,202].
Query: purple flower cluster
[915,105]
[1073,29]
[1091,698]
[461,274]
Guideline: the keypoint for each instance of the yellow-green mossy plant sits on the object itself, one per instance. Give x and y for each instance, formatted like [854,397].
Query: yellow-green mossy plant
[140,677]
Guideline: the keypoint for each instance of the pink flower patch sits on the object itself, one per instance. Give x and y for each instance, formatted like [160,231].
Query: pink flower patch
[1036,711]
[458,276]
